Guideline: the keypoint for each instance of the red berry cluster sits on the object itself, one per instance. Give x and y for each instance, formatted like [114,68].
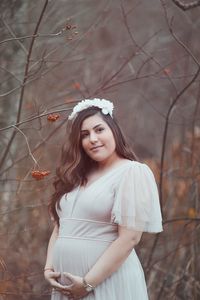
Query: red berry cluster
[38,175]
[53,117]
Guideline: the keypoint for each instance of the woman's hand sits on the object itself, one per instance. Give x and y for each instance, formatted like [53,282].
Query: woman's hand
[51,277]
[76,290]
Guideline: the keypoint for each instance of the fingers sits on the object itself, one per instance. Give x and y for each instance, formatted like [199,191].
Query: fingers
[55,274]
[69,276]
[64,292]
[50,275]
[69,280]
[68,293]
[57,285]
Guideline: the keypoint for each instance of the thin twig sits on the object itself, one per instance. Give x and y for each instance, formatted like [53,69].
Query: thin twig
[27,143]
[14,37]
[38,35]
[9,72]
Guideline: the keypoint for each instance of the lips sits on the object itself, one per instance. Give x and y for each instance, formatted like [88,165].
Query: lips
[96,147]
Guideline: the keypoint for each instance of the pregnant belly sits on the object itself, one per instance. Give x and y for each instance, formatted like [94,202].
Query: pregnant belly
[76,256]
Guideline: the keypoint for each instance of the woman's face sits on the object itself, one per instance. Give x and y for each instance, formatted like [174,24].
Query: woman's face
[97,139]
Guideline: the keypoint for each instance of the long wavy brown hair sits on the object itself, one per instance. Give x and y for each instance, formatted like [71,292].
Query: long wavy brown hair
[75,164]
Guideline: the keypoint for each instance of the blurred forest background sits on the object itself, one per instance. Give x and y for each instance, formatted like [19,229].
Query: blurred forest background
[142,55]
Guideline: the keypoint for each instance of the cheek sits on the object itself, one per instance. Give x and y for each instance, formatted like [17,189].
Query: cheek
[84,144]
[113,144]
[111,141]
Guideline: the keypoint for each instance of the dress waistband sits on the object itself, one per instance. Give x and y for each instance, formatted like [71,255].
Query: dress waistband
[87,229]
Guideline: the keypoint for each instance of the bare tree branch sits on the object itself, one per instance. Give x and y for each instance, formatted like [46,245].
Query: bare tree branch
[35,148]
[24,81]
[186,6]
[44,114]
[170,110]
[141,48]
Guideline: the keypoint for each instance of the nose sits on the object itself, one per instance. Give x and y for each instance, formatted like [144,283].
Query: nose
[93,137]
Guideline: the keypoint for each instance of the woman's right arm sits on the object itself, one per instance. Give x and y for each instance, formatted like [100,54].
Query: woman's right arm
[49,273]
[52,240]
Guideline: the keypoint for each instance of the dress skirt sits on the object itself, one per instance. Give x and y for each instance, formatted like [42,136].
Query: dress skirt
[76,253]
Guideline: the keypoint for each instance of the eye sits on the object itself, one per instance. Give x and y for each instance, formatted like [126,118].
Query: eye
[100,129]
[83,135]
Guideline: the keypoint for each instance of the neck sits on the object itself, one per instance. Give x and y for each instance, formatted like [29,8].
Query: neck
[102,165]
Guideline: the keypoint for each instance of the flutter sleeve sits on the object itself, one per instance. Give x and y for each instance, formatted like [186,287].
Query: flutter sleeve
[136,204]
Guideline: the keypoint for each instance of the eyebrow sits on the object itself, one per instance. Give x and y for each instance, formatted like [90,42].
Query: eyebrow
[92,128]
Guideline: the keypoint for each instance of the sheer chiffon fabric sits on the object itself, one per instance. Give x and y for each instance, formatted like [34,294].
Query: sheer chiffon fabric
[136,202]
[89,218]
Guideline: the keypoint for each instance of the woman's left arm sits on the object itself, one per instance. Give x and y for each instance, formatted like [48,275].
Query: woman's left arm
[114,256]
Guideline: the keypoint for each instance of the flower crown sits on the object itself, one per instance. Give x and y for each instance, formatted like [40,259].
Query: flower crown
[105,105]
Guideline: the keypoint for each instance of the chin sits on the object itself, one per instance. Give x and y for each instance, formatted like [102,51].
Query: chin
[98,159]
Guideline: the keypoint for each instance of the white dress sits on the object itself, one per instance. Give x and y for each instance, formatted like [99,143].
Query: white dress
[89,218]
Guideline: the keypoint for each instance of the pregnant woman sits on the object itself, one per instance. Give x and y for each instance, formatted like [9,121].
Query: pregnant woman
[104,200]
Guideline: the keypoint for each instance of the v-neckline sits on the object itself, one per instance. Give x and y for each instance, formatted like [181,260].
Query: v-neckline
[105,174]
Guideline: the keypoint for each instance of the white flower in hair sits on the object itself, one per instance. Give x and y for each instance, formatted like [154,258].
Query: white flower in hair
[105,105]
